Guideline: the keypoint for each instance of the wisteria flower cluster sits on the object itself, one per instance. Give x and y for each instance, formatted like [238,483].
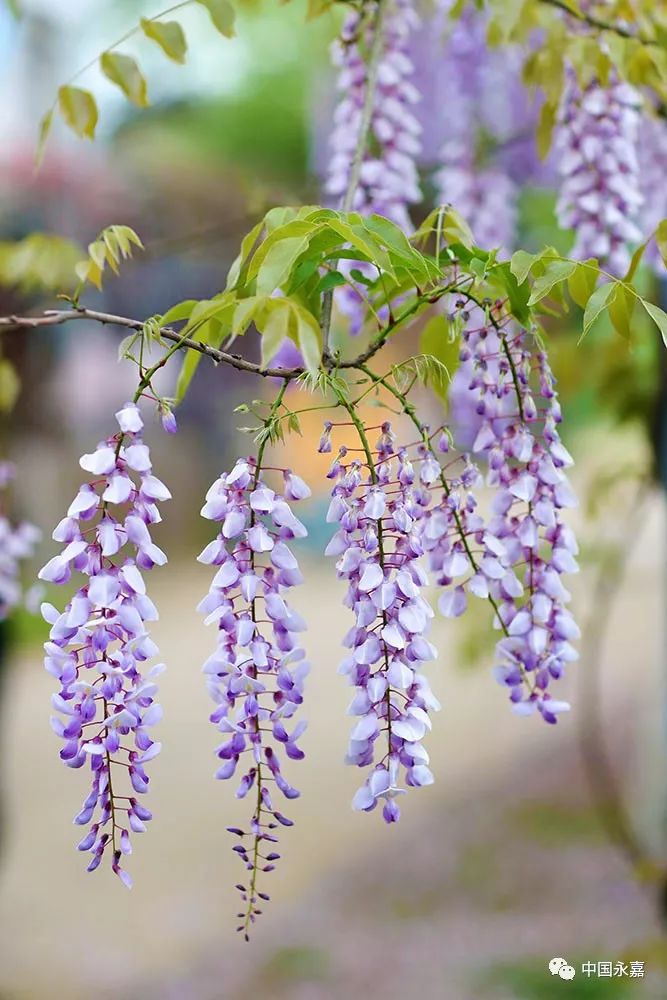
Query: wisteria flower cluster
[380,505]
[256,675]
[17,544]
[388,182]
[518,417]
[98,645]
[475,86]
[388,178]
[598,160]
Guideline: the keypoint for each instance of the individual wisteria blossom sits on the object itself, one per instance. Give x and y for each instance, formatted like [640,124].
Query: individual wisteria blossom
[388,180]
[534,548]
[17,544]
[597,156]
[379,508]
[99,644]
[257,672]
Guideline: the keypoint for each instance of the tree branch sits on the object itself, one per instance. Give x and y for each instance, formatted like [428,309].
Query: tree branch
[597,22]
[58,317]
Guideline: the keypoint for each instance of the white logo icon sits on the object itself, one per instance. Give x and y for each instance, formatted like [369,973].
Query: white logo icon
[559,967]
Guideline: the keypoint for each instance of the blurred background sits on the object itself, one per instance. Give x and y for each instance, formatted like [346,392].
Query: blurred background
[535,841]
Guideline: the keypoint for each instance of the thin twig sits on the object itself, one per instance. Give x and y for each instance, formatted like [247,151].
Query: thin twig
[597,22]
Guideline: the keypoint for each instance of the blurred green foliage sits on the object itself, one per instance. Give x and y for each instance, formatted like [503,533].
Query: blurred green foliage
[555,824]
[532,981]
[296,964]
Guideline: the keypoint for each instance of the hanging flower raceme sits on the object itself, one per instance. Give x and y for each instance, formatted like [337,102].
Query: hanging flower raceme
[388,180]
[519,437]
[471,82]
[99,644]
[256,675]
[380,507]
[596,148]
[486,197]
[17,543]
[653,144]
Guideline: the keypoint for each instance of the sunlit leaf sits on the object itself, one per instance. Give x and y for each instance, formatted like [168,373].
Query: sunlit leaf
[222,14]
[79,110]
[555,273]
[169,35]
[125,73]
[659,317]
[597,304]
[581,283]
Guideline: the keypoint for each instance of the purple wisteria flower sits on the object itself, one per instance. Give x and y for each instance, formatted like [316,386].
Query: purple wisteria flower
[485,110]
[596,149]
[485,196]
[388,181]
[653,145]
[17,544]
[464,555]
[99,644]
[379,510]
[518,436]
[256,675]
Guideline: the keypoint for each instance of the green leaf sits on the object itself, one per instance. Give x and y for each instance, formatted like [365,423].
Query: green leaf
[169,35]
[636,261]
[186,374]
[79,110]
[555,272]
[10,385]
[206,321]
[597,304]
[545,127]
[179,312]
[125,73]
[39,261]
[119,240]
[126,345]
[437,341]
[308,337]
[274,328]
[278,263]
[621,308]
[240,265]
[658,316]
[333,279]
[400,249]
[581,283]
[44,131]
[661,240]
[521,264]
[295,228]
[222,14]
[245,312]
[455,229]
[368,251]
